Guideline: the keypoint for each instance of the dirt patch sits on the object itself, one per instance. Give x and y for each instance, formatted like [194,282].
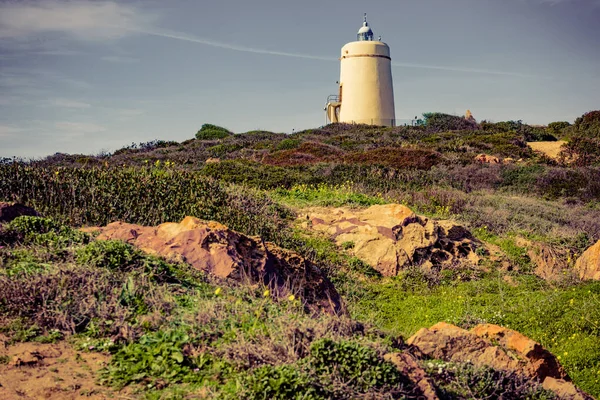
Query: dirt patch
[52,371]
[551,149]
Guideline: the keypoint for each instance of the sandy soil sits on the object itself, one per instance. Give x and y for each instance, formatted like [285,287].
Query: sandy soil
[551,149]
[52,371]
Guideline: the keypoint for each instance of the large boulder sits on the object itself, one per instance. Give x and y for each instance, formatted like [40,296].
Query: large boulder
[10,211]
[222,252]
[391,237]
[493,346]
[588,265]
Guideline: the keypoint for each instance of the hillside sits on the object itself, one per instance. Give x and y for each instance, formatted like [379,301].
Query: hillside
[347,261]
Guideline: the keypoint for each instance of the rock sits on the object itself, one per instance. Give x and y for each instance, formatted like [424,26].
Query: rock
[391,238]
[565,390]
[508,160]
[488,345]
[10,211]
[588,265]
[540,362]
[212,160]
[408,366]
[27,358]
[487,159]
[550,263]
[212,247]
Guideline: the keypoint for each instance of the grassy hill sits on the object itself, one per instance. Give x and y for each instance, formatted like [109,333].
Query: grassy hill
[58,284]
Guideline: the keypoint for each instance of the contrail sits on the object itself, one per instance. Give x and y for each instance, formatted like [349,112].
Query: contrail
[221,45]
[228,46]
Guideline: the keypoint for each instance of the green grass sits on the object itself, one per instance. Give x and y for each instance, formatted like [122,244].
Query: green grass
[566,320]
[325,195]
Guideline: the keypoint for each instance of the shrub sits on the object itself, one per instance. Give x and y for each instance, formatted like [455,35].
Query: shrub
[280,383]
[288,144]
[157,358]
[212,132]
[556,128]
[359,365]
[466,381]
[396,157]
[44,231]
[440,122]
[146,196]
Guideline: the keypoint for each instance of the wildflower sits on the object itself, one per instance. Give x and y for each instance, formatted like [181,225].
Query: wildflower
[56,172]
[217,291]
[291,297]
[266,293]
[558,357]
[566,353]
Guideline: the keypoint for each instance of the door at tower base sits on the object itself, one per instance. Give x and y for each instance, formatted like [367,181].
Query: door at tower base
[366,88]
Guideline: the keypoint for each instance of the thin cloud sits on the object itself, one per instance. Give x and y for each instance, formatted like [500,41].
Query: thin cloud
[68,103]
[8,131]
[130,112]
[92,20]
[228,46]
[111,20]
[120,59]
[78,128]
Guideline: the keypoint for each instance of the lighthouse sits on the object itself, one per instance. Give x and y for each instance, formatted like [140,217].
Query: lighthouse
[366,93]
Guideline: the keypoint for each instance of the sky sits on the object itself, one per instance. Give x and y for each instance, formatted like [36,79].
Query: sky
[92,76]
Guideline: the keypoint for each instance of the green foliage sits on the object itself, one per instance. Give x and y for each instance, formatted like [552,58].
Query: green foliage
[565,320]
[146,196]
[325,195]
[223,149]
[280,383]
[212,132]
[440,122]
[111,254]
[464,381]
[157,358]
[45,231]
[359,365]
[255,174]
[556,128]
[288,144]
[357,265]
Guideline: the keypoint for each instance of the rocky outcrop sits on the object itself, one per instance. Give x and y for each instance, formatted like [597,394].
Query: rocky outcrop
[391,238]
[215,249]
[588,265]
[487,159]
[10,211]
[408,366]
[565,390]
[493,346]
[551,263]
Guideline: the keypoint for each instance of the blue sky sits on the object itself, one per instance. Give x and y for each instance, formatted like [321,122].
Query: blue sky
[86,76]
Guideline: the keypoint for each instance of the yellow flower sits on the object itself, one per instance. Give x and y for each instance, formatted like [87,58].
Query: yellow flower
[266,293]
[558,357]
[566,353]
[56,172]
[217,291]
[291,297]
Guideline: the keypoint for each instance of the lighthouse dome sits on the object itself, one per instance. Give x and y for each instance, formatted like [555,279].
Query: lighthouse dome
[365,32]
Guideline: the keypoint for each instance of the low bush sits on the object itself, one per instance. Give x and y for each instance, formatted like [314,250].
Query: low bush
[351,362]
[157,359]
[212,132]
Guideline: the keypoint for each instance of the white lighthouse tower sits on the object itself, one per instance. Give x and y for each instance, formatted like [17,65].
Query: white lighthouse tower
[366,94]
